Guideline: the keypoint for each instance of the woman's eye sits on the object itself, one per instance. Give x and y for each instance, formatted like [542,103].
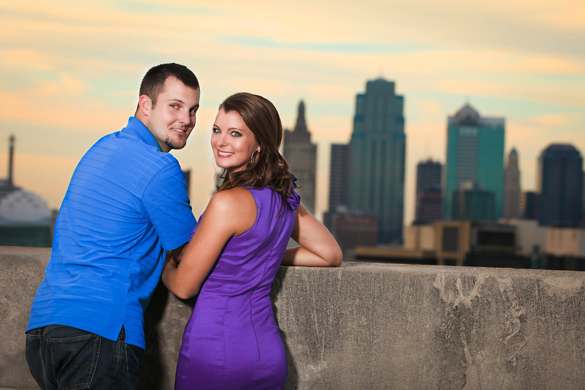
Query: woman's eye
[216,130]
[235,134]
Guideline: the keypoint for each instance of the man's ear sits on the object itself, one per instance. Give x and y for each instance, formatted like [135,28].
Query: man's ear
[144,105]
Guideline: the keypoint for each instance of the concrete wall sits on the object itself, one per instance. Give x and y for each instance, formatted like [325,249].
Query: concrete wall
[369,326]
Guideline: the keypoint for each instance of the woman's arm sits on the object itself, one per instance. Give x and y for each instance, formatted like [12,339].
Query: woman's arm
[229,213]
[317,247]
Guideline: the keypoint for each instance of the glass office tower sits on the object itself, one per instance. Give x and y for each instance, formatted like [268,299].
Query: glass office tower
[475,156]
[377,147]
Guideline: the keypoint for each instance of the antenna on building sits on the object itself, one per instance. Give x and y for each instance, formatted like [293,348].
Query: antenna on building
[11,162]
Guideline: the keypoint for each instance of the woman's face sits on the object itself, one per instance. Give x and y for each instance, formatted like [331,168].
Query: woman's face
[232,141]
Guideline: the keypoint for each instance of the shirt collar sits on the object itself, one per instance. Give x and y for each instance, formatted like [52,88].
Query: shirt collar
[136,126]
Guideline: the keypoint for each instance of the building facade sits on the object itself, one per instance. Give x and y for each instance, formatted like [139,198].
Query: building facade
[301,156]
[338,177]
[377,155]
[429,198]
[560,186]
[429,207]
[529,205]
[475,156]
[512,191]
[473,204]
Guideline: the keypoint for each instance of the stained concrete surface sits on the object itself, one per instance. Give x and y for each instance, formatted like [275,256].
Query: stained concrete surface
[368,326]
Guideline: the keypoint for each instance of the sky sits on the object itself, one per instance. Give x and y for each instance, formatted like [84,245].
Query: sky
[70,73]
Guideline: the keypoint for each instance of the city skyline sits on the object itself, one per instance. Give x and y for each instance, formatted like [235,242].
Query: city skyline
[71,74]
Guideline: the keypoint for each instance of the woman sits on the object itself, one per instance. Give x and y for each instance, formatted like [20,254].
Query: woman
[231,340]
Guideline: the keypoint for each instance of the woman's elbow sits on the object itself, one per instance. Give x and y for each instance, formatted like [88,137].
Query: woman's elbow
[335,257]
[185,294]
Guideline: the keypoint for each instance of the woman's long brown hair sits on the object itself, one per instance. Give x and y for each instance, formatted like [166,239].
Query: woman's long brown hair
[267,166]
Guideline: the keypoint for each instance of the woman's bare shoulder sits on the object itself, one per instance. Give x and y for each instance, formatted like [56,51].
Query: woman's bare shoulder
[236,205]
[234,197]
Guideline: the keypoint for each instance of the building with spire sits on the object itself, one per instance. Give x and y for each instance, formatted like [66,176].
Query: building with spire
[512,191]
[475,157]
[560,186]
[377,155]
[25,219]
[301,156]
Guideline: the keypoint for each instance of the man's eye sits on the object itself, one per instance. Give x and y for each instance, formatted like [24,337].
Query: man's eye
[174,106]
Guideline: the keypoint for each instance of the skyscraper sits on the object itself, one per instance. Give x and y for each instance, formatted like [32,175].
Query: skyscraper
[338,177]
[560,183]
[301,156]
[529,205]
[429,199]
[377,152]
[428,175]
[512,190]
[475,156]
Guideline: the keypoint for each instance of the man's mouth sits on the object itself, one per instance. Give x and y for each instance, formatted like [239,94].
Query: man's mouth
[183,131]
[223,154]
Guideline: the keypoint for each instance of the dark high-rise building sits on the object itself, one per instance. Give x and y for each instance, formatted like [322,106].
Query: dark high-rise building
[338,177]
[512,186]
[429,199]
[301,156]
[529,205]
[475,155]
[429,207]
[428,175]
[560,186]
[377,153]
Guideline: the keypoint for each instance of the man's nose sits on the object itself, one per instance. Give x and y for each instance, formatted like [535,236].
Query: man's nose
[185,117]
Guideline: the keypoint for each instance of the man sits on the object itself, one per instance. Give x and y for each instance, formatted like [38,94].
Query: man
[126,204]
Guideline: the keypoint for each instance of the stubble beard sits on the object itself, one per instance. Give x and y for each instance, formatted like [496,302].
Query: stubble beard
[175,143]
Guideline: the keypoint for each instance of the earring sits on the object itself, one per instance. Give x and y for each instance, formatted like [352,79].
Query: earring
[252,156]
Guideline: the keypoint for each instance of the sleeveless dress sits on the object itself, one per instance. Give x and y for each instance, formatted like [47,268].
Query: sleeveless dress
[231,340]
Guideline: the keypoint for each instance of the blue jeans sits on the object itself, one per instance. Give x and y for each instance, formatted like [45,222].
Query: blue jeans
[65,358]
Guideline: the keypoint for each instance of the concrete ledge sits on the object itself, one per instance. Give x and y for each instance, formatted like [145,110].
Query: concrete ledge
[369,326]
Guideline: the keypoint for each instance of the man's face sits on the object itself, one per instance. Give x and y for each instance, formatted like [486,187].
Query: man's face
[172,119]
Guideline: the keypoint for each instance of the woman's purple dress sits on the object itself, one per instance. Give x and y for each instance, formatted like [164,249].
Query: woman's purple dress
[231,340]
